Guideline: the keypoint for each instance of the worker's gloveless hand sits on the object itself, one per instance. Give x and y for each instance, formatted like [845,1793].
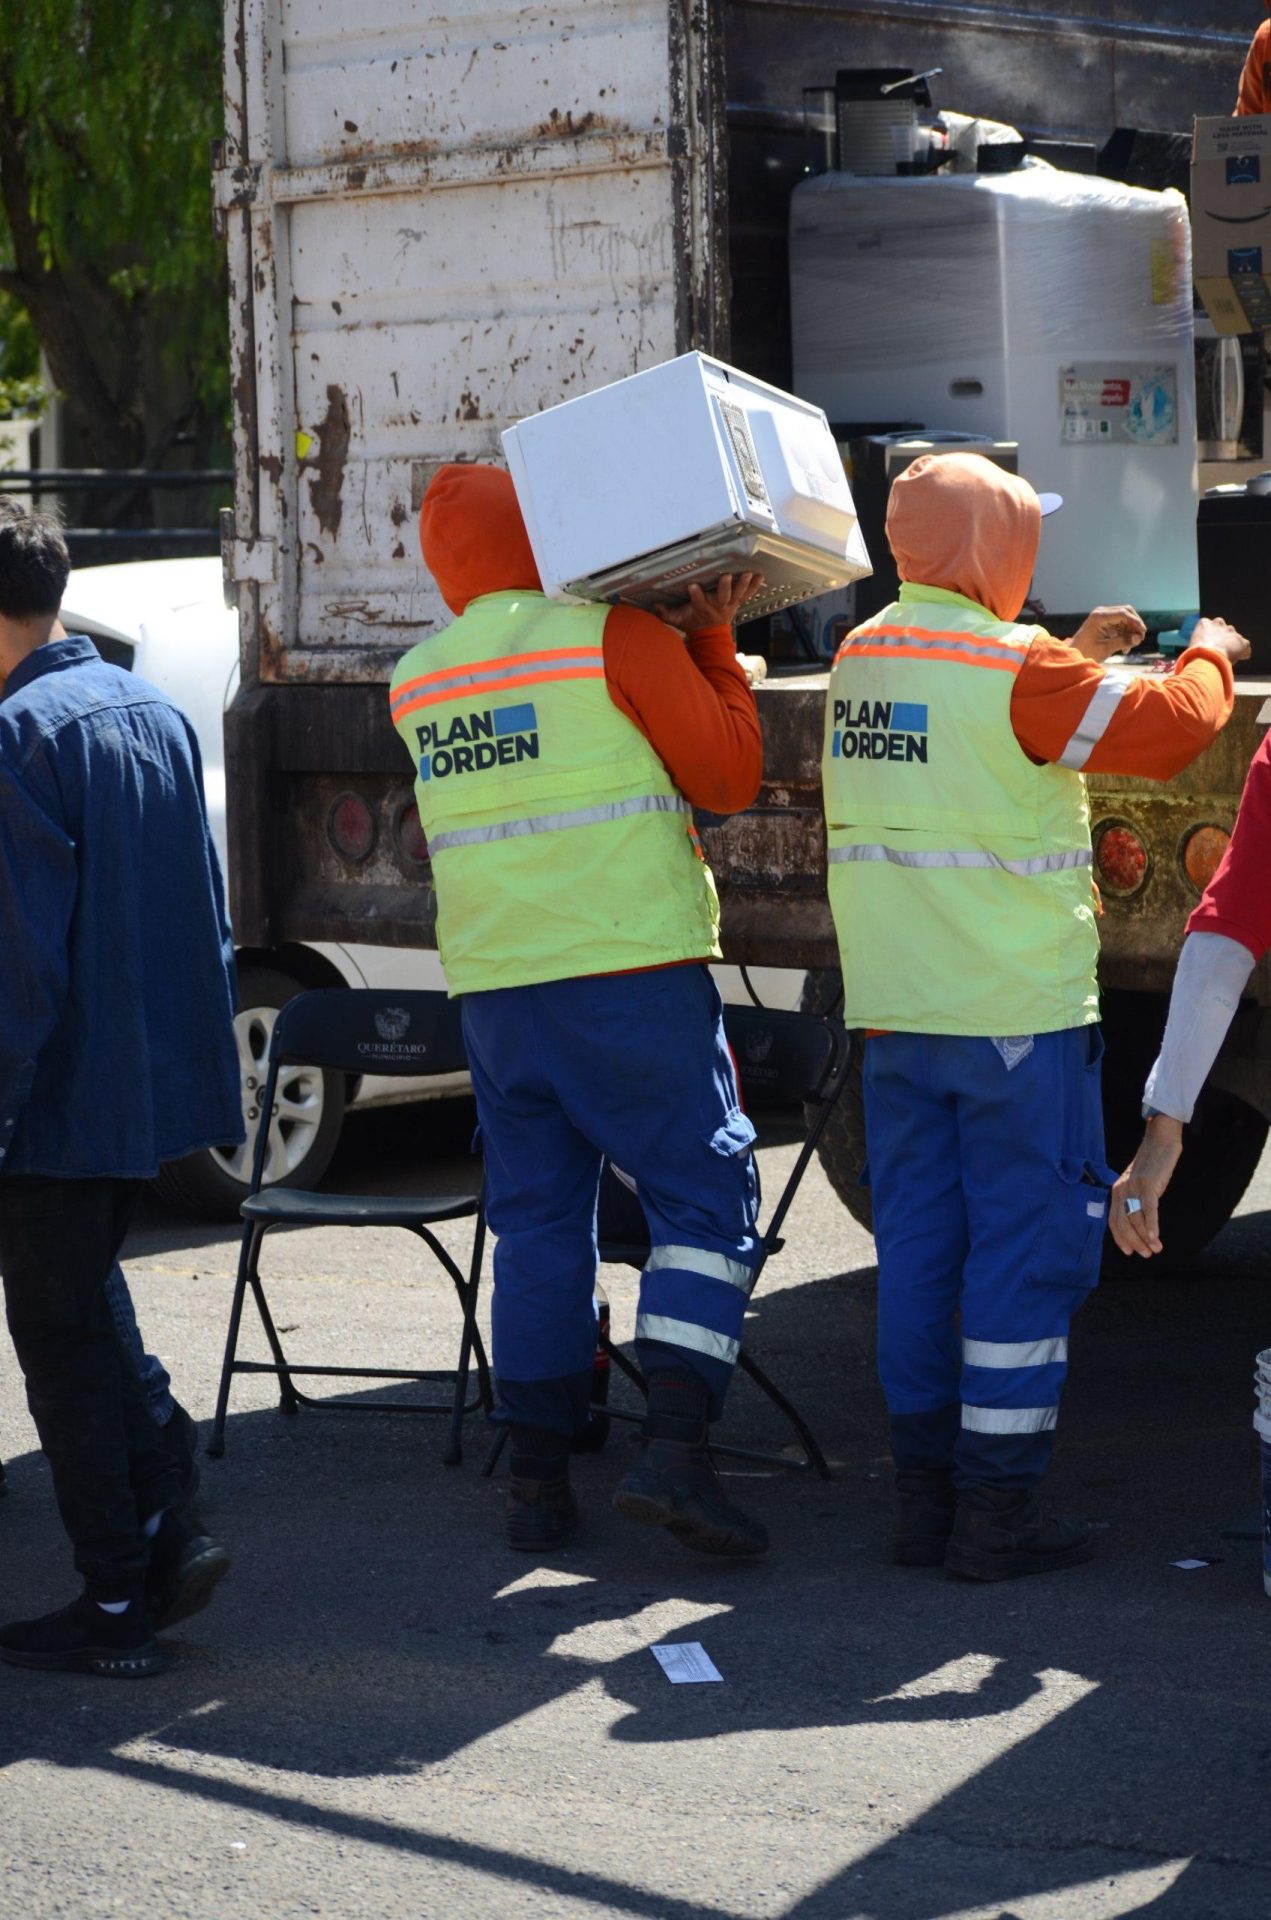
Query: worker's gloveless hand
[1220,637]
[1145,1180]
[718,608]
[1108,630]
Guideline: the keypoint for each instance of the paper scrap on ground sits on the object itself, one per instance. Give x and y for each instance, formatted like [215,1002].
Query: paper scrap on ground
[685,1661]
[1190,1566]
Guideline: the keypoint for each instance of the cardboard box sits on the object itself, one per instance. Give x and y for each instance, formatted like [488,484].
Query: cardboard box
[1231,220]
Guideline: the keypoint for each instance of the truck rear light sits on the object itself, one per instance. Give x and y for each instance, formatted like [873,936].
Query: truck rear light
[1120,857]
[351,827]
[410,836]
[1201,851]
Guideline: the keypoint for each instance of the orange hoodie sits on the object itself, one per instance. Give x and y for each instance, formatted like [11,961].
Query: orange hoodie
[1254,95]
[957,521]
[690,698]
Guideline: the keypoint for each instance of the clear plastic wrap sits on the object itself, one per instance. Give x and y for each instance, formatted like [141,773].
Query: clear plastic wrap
[1050,308]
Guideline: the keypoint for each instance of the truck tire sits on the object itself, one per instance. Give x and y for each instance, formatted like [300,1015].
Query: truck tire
[1224,1140]
[213,1184]
[841,1149]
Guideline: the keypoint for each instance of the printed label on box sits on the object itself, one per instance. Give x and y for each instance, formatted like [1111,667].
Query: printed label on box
[1244,169]
[1118,404]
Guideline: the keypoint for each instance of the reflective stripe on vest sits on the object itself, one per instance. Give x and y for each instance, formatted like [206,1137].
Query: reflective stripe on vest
[498,676]
[554,822]
[967,858]
[921,644]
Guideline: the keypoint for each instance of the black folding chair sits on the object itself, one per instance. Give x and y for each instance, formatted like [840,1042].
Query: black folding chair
[783,1059]
[357,1030]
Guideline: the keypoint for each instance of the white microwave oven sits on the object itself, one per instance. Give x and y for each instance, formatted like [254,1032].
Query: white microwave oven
[679,474]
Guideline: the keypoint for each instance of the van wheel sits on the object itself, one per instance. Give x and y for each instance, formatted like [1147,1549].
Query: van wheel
[306,1124]
[841,1149]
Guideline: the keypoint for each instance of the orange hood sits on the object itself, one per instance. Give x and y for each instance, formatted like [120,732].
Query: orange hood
[472,536]
[955,520]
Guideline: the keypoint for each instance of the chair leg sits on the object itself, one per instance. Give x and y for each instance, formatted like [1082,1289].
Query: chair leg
[492,1458]
[815,1458]
[287,1401]
[246,1264]
[454,1448]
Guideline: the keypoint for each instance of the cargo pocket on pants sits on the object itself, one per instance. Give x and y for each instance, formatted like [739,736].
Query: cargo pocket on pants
[1069,1241]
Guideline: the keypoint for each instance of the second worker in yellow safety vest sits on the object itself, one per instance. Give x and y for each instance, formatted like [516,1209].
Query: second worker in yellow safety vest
[557,751]
[960,881]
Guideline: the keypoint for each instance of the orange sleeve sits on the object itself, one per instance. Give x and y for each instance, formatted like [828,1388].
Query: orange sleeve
[1255,80]
[1070,710]
[692,702]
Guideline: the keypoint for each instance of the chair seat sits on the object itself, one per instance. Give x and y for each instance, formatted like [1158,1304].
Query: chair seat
[278,1206]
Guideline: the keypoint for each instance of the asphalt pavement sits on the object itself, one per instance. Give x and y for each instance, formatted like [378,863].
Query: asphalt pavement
[385,1712]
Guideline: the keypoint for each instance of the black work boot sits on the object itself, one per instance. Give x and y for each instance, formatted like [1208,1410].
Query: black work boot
[675,1484]
[185,1566]
[82,1638]
[542,1511]
[1001,1532]
[925,1505]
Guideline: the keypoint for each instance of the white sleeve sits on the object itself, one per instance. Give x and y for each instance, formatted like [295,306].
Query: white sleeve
[1212,974]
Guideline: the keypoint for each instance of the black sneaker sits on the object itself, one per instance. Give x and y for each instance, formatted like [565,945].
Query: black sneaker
[925,1505]
[1000,1533]
[185,1566]
[180,1437]
[542,1514]
[82,1639]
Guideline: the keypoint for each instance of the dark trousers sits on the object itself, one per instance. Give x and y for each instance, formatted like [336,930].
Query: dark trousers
[58,1242]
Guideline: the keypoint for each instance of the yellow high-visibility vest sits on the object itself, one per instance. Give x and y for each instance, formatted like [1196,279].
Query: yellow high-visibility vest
[560,846]
[959,871]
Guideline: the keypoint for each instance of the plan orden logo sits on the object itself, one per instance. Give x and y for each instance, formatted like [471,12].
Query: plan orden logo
[474,741]
[880,730]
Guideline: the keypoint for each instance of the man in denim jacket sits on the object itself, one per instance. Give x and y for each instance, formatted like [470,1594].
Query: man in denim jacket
[116,1053]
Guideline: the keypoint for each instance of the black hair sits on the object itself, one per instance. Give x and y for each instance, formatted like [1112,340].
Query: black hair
[34,562]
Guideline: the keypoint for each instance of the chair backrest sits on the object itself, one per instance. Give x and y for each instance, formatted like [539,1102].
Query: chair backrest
[369,1030]
[784,1059]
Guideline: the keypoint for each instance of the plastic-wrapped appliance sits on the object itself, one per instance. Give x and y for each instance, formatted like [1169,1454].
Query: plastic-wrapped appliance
[1049,308]
[679,474]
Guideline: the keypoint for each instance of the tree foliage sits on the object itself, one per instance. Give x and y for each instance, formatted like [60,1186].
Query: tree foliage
[107,111]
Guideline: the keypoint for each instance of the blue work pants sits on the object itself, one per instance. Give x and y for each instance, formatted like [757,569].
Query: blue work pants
[990,1195]
[633,1066]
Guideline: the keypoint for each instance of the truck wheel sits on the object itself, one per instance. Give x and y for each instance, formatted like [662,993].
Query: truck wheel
[310,1103]
[841,1149]
[1224,1141]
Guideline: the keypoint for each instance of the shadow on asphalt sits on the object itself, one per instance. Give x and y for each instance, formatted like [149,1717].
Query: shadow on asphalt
[375,1625]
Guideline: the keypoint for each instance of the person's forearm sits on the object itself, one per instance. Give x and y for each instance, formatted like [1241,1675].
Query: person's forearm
[1212,974]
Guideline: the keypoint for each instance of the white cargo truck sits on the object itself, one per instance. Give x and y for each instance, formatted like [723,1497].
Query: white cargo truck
[440,220]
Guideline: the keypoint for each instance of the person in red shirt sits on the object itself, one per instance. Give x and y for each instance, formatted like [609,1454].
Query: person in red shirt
[1255,80]
[1227,935]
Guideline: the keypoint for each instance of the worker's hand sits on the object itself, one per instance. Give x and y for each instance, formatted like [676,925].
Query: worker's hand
[1144,1181]
[1108,630]
[718,608]
[1220,637]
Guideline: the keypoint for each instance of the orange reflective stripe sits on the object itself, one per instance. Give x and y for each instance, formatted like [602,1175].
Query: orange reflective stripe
[401,709]
[947,654]
[446,674]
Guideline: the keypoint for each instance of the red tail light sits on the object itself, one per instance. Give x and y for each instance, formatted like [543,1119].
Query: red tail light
[351,827]
[1201,851]
[1120,857]
[410,836]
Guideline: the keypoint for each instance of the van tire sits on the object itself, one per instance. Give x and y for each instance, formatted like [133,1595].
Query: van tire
[203,1184]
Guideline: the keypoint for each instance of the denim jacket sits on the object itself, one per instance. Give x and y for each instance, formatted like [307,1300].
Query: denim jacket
[116,961]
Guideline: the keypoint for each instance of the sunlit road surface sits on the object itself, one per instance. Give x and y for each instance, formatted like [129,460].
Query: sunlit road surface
[387,1713]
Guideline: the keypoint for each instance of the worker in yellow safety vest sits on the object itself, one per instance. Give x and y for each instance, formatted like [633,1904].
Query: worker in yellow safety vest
[959,853]
[558,753]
